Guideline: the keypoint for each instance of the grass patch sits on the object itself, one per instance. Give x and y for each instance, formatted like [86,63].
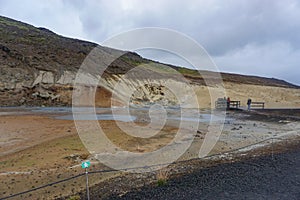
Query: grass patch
[186,71]
[17,24]
[159,68]
[74,198]
[131,61]
[162,177]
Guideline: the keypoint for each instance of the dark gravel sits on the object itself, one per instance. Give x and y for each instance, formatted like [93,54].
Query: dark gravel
[259,178]
[270,115]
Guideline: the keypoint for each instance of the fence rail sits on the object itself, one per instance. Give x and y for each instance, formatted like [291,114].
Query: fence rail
[258,105]
[235,104]
[223,104]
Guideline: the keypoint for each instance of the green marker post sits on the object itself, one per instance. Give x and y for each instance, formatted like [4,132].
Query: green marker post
[85,165]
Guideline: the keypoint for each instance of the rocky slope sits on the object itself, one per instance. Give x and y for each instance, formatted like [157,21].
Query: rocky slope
[38,67]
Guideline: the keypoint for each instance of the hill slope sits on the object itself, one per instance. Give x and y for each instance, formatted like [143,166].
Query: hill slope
[38,67]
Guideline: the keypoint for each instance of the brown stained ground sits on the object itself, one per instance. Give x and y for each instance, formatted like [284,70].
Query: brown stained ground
[37,149]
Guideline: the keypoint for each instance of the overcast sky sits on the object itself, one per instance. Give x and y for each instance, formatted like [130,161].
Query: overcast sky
[257,37]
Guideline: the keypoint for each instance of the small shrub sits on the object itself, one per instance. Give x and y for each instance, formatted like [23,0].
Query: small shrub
[162,177]
[161,182]
[74,197]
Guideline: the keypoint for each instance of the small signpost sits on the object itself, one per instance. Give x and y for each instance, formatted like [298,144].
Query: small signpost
[85,165]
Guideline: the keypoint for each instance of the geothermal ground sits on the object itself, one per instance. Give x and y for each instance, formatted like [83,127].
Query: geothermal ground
[41,145]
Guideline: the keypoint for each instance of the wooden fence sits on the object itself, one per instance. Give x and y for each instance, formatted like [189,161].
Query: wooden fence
[258,105]
[222,104]
[235,104]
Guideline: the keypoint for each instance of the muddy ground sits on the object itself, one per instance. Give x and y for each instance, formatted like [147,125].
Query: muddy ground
[36,149]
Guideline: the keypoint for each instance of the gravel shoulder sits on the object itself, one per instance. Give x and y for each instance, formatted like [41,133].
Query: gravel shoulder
[265,177]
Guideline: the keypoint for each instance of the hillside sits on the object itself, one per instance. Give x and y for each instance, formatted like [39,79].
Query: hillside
[38,67]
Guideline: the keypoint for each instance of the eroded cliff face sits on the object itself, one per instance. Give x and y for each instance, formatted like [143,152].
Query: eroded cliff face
[39,67]
[44,88]
[41,87]
[23,87]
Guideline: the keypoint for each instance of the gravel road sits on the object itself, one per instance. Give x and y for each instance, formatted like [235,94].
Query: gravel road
[259,178]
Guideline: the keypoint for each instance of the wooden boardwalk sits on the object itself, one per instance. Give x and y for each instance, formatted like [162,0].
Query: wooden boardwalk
[222,104]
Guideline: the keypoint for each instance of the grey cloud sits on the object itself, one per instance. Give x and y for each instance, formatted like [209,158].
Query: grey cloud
[219,26]
[236,33]
[277,60]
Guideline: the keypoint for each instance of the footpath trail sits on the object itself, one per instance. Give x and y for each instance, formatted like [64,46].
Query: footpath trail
[266,177]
